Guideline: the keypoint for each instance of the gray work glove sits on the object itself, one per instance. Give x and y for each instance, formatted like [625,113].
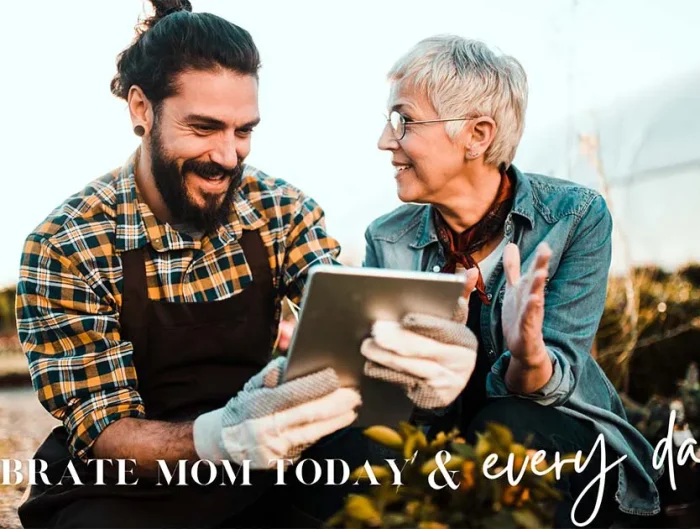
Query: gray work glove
[268,420]
[432,358]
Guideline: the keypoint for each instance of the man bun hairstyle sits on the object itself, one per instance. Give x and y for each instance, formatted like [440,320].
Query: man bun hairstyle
[175,40]
[163,8]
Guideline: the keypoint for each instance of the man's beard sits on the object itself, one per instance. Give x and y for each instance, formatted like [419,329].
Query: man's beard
[170,181]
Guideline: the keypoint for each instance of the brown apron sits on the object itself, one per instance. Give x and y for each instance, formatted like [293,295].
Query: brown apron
[190,358]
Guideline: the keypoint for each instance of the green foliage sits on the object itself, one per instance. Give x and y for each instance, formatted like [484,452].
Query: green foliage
[645,347]
[652,418]
[689,393]
[7,310]
[477,503]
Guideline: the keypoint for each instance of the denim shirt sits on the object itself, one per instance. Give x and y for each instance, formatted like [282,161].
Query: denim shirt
[576,223]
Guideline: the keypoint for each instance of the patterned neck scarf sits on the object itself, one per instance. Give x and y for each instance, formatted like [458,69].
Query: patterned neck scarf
[460,247]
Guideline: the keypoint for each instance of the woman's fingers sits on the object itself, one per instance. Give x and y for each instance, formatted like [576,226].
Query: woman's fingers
[535,278]
[531,324]
[306,434]
[374,370]
[511,264]
[452,332]
[421,368]
[461,313]
[544,253]
[534,303]
[340,402]
[472,276]
[538,282]
[404,342]
[541,260]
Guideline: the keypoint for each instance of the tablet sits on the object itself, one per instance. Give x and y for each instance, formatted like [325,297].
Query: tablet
[338,308]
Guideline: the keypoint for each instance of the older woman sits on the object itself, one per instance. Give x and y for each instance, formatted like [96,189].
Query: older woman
[456,115]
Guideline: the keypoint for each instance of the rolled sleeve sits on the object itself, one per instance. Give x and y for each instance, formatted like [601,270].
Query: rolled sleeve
[574,302]
[81,370]
[88,418]
[556,391]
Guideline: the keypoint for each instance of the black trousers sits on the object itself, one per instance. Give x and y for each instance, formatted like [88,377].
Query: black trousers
[554,431]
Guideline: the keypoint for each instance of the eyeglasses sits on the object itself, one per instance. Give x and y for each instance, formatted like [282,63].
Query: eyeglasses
[398,123]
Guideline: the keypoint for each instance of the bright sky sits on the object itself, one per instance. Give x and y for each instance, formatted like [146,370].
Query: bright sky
[322,87]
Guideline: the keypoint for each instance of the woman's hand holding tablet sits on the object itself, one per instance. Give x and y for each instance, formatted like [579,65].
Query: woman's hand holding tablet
[339,308]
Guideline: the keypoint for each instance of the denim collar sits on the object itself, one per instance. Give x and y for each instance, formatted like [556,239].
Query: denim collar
[523,206]
[524,203]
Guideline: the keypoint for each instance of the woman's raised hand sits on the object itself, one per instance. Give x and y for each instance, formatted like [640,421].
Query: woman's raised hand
[523,306]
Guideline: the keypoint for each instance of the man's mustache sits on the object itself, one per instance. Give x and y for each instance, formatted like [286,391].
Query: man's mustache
[211,169]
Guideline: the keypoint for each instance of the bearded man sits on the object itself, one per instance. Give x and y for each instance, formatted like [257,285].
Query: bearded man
[151,298]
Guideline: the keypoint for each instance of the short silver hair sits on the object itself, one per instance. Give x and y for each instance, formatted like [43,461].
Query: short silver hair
[464,77]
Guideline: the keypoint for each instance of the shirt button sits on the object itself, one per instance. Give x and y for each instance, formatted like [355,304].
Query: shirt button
[489,296]
[436,268]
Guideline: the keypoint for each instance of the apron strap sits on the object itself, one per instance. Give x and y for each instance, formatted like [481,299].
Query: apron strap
[257,257]
[134,310]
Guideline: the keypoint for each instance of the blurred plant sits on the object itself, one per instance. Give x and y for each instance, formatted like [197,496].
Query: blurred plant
[7,310]
[478,502]
[668,308]
[13,364]
[639,302]
[651,419]
[628,310]
[689,392]
[681,507]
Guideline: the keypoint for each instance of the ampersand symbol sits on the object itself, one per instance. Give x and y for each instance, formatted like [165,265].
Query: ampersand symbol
[441,458]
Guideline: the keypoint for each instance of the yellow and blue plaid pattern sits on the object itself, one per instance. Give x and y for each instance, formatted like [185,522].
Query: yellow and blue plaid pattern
[70,288]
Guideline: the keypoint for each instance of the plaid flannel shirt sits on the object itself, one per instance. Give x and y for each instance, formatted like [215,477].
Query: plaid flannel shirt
[69,293]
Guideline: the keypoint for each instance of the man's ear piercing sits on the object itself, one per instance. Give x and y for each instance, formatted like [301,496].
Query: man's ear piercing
[139,130]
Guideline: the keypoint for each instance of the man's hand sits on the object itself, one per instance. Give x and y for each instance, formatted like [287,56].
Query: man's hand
[285,334]
[268,420]
[432,358]
[523,317]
